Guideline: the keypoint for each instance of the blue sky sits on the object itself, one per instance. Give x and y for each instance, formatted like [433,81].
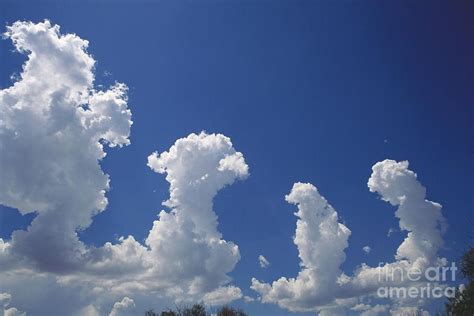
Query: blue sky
[310,91]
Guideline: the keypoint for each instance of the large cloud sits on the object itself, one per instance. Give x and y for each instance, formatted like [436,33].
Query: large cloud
[184,256]
[422,219]
[54,126]
[320,239]
[186,243]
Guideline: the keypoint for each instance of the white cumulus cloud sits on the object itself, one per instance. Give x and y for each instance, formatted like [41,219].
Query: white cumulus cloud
[321,241]
[184,257]
[185,242]
[423,220]
[54,129]
[123,307]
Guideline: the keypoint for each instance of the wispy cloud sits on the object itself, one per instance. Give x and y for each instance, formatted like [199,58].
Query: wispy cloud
[263,262]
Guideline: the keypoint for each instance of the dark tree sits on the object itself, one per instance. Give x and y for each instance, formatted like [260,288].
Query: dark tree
[197,310]
[463,302]
[150,312]
[229,311]
[467,264]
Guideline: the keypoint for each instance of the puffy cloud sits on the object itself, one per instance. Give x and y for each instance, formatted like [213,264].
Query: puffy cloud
[54,127]
[222,295]
[13,312]
[184,257]
[5,299]
[368,310]
[123,307]
[197,167]
[408,310]
[422,219]
[321,241]
[366,249]
[318,234]
[185,240]
[263,262]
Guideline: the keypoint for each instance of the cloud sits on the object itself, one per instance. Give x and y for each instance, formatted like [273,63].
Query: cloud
[123,307]
[320,285]
[408,310]
[13,312]
[197,167]
[333,311]
[185,242]
[89,310]
[422,219]
[184,257]
[5,299]
[368,310]
[54,129]
[321,241]
[222,295]
[366,249]
[263,262]
[391,231]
